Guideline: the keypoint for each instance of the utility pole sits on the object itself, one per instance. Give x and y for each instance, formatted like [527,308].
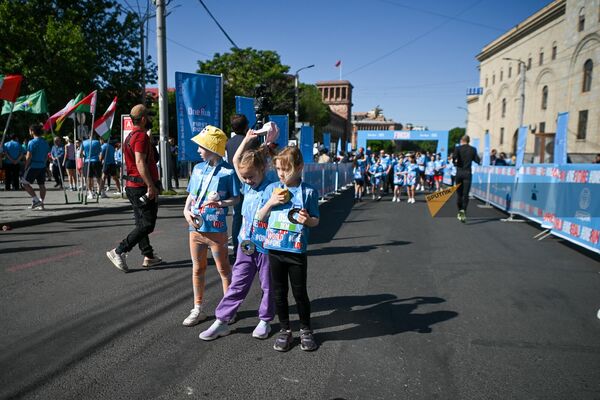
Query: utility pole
[161,34]
[296,101]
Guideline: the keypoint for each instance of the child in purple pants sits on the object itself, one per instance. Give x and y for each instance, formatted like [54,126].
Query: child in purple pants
[251,258]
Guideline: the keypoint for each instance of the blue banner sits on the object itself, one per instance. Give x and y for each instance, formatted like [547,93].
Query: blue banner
[486,150]
[348,147]
[282,122]
[521,142]
[327,140]
[362,137]
[245,106]
[307,139]
[475,143]
[560,140]
[198,100]
[339,146]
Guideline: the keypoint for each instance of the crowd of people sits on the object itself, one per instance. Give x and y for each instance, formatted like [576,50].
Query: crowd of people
[379,173]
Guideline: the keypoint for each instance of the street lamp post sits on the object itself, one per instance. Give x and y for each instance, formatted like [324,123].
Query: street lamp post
[296,102]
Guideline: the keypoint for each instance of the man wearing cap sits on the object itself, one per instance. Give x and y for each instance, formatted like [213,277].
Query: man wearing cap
[141,187]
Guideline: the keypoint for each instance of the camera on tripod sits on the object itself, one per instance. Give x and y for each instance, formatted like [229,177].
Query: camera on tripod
[262,105]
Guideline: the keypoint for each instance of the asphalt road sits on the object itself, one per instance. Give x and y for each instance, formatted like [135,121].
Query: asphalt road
[405,306]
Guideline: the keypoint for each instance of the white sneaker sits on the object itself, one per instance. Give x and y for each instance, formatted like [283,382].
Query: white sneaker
[216,330]
[262,330]
[103,195]
[393,199]
[118,260]
[196,316]
[91,196]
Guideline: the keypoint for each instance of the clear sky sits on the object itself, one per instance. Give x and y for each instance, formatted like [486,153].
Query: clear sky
[414,59]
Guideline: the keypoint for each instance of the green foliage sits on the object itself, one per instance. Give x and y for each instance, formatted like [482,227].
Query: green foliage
[312,109]
[172,111]
[71,46]
[243,69]
[454,136]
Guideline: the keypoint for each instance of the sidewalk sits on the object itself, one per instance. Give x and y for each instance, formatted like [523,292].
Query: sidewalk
[14,211]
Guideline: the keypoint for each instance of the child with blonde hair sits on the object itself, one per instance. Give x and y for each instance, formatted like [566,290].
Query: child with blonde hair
[291,207]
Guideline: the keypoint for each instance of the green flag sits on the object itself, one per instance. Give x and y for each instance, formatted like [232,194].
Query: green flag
[34,103]
[84,107]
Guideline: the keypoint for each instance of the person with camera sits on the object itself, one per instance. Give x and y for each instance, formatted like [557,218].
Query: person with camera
[142,189]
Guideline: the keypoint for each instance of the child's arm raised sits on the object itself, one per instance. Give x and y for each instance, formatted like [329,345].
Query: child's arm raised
[237,157]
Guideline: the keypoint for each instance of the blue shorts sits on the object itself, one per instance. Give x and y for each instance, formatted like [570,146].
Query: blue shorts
[37,175]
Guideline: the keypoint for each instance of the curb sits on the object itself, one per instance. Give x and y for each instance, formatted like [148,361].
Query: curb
[83,214]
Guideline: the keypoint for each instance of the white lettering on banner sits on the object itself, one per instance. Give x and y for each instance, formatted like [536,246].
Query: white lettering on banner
[594,177]
[197,126]
[586,233]
[202,112]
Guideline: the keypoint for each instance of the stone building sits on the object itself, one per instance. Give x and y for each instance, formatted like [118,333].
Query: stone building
[558,49]
[373,120]
[338,97]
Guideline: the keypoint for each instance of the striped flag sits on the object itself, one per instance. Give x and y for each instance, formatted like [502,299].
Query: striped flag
[90,100]
[52,120]
[104,124]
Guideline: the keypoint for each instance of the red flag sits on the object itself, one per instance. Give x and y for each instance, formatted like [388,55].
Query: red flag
[90,100]
[10,86]
[338,63]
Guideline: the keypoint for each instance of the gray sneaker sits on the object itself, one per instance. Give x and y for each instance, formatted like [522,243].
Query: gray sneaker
[152,262]
[118,260]
[307,340]
[283,342]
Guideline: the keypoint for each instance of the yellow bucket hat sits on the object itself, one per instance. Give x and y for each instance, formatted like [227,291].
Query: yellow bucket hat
[212,139]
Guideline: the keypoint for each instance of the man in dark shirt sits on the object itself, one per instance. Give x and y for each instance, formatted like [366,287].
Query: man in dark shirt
[239,124]
[463,156]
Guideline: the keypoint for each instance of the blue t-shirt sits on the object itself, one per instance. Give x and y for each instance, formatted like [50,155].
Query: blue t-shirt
[39,149]
[212,183]
[252,229]
[108,153]
[282,234]
[119,156]
[429,168]
[439,166]
[398,173]
[385,162]
[377,171]
[13,149]
[94,154]
[421,162]
[58,152]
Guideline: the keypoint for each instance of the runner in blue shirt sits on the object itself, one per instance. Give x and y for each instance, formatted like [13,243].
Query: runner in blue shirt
[399,169]
[430,173]
[358,171]
[35,166]
[377,172]
[92,168]
[411,178]
[439,166]
[421,161]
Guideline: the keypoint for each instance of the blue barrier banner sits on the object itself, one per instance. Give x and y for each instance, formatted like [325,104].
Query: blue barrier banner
[501,185]
[577,205]
[339,146]
[535,192]
[348,147]
[521,142]
[245,105]
[327,141]
[198,101]
[307,139]
[282,122]
[486,150]
[560,140]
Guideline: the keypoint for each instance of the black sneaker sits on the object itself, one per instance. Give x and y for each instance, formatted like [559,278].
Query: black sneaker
[307,340]
[283,342]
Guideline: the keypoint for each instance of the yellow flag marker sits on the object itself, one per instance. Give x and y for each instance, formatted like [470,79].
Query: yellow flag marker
[436,201]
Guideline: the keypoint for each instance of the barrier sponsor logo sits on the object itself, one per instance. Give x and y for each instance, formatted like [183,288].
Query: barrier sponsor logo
[436,201]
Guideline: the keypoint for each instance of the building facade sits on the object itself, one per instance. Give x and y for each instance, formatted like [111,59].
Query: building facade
[372,120]
[558,50]
[337,95]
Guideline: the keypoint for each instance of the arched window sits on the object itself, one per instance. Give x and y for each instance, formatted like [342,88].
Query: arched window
[554,50]
[503,108]
[489,109]
[581,24]
[544,97]
[588,68]
[541,59]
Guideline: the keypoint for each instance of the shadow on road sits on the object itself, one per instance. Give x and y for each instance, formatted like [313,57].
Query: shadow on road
[354,249]
[374,316]
[333,215]
[8,250]
[166,265]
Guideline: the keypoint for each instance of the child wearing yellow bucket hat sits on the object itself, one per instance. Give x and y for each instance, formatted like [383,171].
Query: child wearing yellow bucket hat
[213,187]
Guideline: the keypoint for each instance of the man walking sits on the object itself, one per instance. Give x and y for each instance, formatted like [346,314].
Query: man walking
[35,166]
[463,156]
[141,187]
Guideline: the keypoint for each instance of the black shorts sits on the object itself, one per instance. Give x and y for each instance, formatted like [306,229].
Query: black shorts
[37,175]
[95,169]
[109,169]
[70,164]
[359,182]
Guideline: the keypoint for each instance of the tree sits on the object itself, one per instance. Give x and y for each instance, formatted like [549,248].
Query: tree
[243,69]
[311,109]
[454,136]
[72,46]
